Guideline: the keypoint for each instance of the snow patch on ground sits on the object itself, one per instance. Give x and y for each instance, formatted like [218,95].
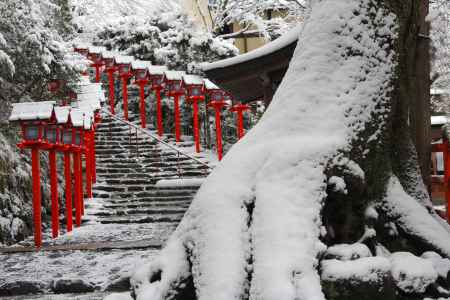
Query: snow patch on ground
[412,274]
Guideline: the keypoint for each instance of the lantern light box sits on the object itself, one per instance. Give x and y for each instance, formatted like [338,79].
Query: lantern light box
[174,82]
[140,69]
[156,76]
[194,86]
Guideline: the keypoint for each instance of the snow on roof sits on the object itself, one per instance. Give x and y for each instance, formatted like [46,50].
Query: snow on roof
[157,70]
[28,111]
[439,120]
[89,101]
[81,45]
[209,85]
[140,64]
[96,50]
[174,75]
[437,91]
[81,117]
[62,114]
[193,79]
[283,41]
[123,59]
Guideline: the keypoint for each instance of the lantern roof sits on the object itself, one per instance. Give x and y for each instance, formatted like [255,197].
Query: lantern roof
[140,64]
[96,50]
[123,59]
[192,80]
[62,114]
[29,111]
[174,75]
[81,46]
[81,118]
[209,85]
[157,70]
[89,101]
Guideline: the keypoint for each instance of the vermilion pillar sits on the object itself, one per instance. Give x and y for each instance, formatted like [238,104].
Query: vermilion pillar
[77,187]
[111,90]
[36,177]
[159,116]
[68,177]
[239,109]
[54,193]
[80,187]
[87,156]
[125,95]
[142,103]
[94,161]
[176,101]
[218,106]
[196,127]
[97,72]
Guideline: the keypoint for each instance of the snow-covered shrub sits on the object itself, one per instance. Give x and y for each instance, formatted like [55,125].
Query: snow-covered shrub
[169,39]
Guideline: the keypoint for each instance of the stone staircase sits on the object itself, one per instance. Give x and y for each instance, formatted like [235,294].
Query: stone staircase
[129,166]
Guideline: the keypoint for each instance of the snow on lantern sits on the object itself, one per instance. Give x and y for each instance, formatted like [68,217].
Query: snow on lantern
[239,109]
[195,92]
[33,118]
[95,55]
[217,102]
[156,77]
[140,71]
[123,64]
[81,49]
[110,68]
[174,88]
[64,143]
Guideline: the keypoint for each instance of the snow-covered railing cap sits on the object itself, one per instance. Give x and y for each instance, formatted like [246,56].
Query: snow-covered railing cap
[96,50]
[438,92]
[193,80]
[210,86]
[29,111]
[157,70]
[439,120]
[123,60]
[62,114]
[140,65]
[174,75]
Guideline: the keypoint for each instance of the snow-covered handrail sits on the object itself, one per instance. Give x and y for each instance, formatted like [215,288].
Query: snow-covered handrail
[156,139]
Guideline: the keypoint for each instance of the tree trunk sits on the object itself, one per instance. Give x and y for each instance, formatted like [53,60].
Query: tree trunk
[311,203]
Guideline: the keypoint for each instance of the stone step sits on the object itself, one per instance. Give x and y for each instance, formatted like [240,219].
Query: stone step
[149,204]
[140,211]
[122,194]
[140,219]
[156,200]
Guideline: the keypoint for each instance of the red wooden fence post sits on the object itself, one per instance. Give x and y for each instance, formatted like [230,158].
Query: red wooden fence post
[176,99]
[196,127]
[36,174]
[142,104]
[159,112]
[125,95]
[54,193]
[68,176]
[218,106]
[77,182]
[80,168]
[97,72]
[94,160]
[87,156]
[239,110]
[111,89]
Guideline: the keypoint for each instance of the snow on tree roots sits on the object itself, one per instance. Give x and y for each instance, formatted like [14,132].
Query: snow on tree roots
[294,210]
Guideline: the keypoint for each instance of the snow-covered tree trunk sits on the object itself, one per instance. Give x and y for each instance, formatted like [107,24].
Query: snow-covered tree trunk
[326,185]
